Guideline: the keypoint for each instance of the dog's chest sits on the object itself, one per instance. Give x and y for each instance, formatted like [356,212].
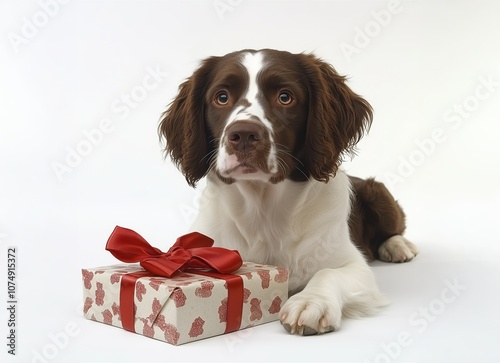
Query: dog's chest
[264,225]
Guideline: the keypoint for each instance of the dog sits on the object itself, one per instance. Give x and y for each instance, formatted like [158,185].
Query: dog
[270,129]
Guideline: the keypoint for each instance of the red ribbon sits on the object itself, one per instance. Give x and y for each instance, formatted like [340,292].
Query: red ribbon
[192,252]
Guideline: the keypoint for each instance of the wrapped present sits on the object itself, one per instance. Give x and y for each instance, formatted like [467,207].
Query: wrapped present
[192,292]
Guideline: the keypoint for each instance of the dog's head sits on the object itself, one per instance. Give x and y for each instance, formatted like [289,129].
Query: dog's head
[263,115]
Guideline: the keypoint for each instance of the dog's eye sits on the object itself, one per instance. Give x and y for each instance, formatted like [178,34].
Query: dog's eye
[222,98]
[285,98]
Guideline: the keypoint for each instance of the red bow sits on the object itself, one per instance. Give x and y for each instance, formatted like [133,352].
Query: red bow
[191,251]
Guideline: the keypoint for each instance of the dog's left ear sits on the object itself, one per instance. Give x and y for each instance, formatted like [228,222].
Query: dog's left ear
[338,118]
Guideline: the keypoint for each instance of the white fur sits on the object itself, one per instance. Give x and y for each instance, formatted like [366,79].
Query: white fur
[301,226]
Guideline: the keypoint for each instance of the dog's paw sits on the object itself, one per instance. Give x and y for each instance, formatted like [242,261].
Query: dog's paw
[397,249]
[308,313]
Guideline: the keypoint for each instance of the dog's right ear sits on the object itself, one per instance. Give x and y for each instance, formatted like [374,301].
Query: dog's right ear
[184,128]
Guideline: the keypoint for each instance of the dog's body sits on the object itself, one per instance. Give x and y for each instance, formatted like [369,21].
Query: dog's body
[269,129]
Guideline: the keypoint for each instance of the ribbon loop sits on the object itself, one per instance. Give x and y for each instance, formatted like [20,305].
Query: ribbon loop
[191,251]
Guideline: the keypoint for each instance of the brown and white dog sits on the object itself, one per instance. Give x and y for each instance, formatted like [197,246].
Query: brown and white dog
[269,129]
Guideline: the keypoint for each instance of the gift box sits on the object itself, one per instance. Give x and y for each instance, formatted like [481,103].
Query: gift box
[195,302]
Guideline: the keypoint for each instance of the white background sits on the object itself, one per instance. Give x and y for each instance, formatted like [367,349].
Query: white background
[65,68]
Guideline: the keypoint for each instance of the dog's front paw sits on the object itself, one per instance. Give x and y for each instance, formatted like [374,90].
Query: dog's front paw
[308,314]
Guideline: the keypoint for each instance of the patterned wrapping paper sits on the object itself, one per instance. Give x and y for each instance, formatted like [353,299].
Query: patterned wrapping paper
[187,307]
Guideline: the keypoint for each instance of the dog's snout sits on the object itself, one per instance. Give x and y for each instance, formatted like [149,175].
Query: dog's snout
[245,135]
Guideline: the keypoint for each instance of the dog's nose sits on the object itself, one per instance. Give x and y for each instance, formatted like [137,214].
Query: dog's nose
[245,135]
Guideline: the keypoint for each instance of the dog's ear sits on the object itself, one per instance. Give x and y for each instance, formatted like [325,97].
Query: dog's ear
[184,128]
[337,119]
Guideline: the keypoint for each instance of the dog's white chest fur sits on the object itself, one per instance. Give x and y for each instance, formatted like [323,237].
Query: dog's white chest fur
[300,226]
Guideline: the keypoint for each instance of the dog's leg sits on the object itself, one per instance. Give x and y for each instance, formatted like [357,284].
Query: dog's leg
[378,222]
[349,290]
